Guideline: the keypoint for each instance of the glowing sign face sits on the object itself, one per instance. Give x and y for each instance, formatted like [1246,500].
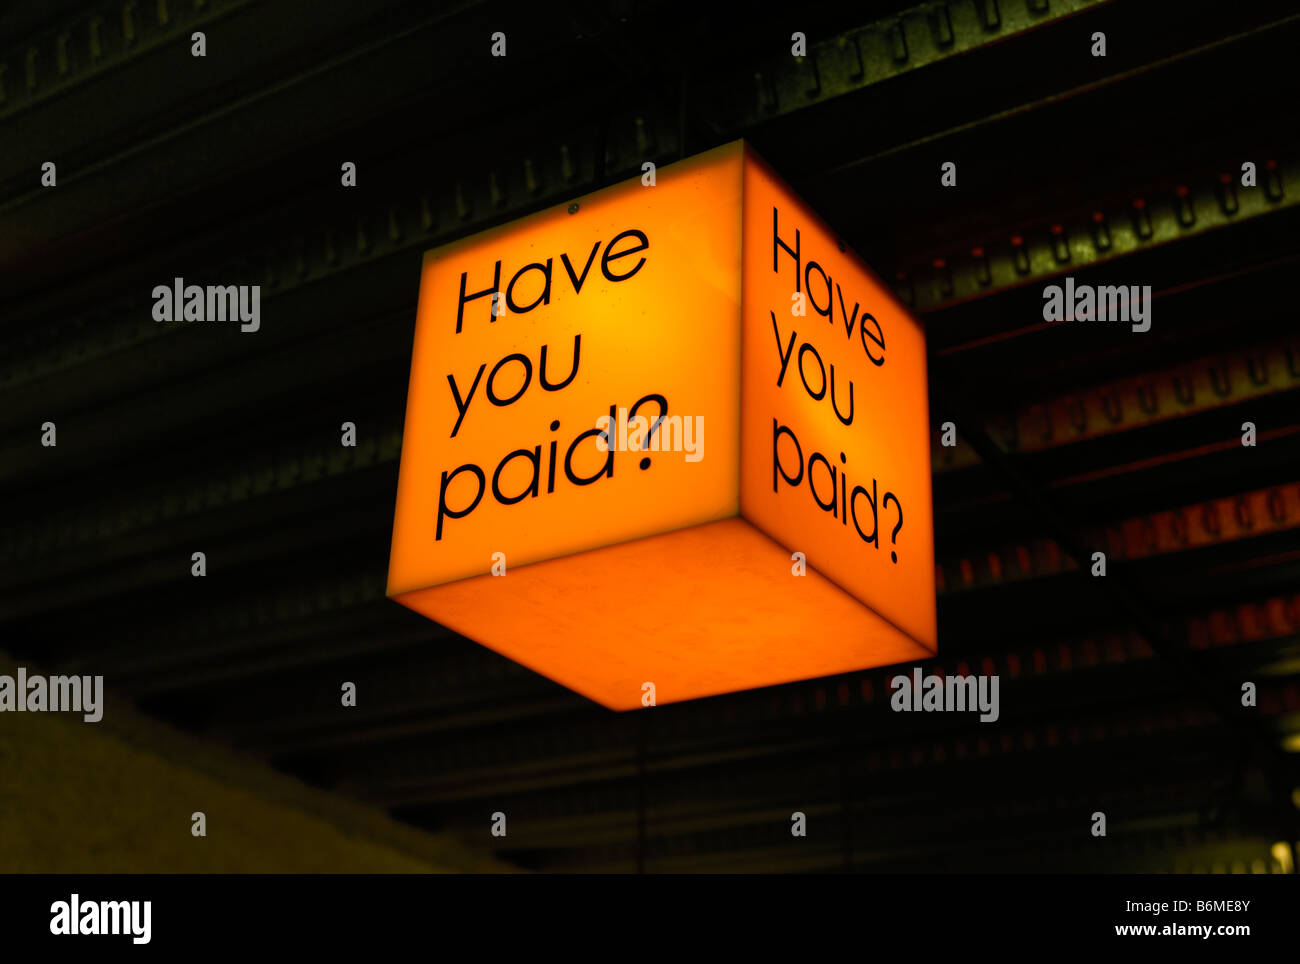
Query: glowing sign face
[626,417]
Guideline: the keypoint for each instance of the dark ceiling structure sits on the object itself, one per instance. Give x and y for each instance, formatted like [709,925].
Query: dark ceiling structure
[1120,694]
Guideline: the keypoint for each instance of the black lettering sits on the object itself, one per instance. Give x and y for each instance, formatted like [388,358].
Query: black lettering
[878,338]
[463,407]
[534,456]
[818,457]
[776,456]
[777,244]
[465,299]
[821,392]
[541,367]
[836,405]
[663,412]
[528,377]
[848,322]
[543,298]
[607,469]
[874,538]
[443,511]
[785,358]
[578,282]
[608,257]
[824,312]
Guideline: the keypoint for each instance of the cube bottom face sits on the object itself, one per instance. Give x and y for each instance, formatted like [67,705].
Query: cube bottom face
[701,611]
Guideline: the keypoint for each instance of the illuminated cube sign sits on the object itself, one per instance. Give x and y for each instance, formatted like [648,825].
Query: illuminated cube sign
[669,434]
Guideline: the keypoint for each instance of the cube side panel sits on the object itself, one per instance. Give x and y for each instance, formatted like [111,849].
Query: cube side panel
[702,611]
[635,294]
[835,430]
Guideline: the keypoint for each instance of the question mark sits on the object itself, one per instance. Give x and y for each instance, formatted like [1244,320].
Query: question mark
[654,426]
[893,538]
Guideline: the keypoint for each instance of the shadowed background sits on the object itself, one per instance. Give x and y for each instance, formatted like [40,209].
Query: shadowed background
[1120,695]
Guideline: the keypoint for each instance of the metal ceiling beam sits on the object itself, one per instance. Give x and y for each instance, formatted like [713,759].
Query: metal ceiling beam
[876,52]
[1066,244]
[1137,400]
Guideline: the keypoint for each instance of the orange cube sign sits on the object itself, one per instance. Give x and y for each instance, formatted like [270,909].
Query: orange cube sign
[667,441]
